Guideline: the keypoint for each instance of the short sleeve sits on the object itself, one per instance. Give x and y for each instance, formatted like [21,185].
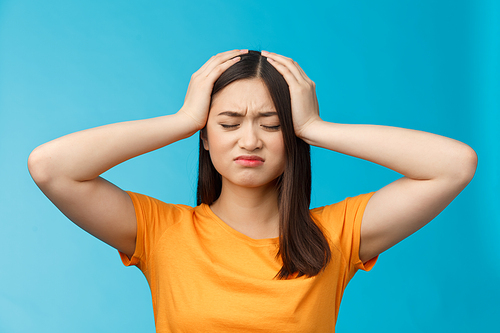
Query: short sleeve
[153,217]
[342,221]
[355,208]
[143,208]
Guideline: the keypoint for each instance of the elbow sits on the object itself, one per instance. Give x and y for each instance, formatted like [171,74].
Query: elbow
[38,166]
[467,165]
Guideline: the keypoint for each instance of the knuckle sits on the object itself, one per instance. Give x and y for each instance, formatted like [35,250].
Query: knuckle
[298,89]
[303,87]
[196,78]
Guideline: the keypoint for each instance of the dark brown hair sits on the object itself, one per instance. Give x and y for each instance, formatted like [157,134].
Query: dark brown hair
[303,248]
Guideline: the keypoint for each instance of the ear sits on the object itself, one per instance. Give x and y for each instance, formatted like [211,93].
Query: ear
[203,134]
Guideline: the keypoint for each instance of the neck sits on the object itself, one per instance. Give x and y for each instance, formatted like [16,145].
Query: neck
[251,211]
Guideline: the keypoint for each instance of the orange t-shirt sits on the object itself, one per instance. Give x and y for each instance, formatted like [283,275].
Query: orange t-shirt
[205,276]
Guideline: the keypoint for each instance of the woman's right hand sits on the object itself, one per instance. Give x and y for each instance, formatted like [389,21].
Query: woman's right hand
[198,97]
[67,169]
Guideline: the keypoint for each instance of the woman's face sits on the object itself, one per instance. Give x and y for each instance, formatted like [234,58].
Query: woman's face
[243,134]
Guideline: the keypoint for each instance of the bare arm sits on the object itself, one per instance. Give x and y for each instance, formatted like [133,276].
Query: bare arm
[435,168]
[67,169]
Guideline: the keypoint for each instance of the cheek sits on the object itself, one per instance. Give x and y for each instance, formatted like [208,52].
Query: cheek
[279,146]
[279,152]
[211,137]
[218,149]
[215,141]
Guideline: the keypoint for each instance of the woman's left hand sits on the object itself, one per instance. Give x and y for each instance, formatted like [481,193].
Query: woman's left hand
[305,109]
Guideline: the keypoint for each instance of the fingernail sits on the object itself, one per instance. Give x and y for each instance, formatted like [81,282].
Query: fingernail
[244,51]
[264,52]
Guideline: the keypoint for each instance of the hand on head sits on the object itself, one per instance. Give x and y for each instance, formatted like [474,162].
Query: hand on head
[198,97]
[305,109]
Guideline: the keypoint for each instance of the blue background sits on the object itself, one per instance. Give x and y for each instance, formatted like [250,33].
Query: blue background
[428,65]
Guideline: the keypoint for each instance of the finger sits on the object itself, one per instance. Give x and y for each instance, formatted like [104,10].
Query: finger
[291,65]
[304,75]
[216,60]
[221,68]
[212,58]
[290,78]
[295,69]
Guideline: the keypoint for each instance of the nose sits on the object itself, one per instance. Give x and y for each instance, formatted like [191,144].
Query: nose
[249,139]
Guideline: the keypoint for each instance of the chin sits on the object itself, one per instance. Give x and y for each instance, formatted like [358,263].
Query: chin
[252,182]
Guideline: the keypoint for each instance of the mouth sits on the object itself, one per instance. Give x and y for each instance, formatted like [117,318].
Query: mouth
[249,160]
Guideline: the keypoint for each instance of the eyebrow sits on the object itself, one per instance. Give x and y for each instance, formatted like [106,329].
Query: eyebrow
[238,114]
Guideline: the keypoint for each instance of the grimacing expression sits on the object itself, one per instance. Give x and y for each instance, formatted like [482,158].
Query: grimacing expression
[243,134]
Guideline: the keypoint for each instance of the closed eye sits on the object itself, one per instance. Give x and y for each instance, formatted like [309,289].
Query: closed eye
[272,128]
[229,126]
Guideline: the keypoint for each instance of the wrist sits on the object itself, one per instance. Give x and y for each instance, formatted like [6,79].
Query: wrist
[190,123]
[309,130]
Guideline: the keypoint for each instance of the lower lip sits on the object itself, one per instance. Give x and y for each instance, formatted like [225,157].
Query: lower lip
[249,163]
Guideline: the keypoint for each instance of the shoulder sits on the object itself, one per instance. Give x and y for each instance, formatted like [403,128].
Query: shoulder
[154,218]
[342,219]
[148,200]
[341,222]
[342,209]
[152,208]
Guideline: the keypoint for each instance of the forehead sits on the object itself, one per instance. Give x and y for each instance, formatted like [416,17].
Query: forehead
[243,95]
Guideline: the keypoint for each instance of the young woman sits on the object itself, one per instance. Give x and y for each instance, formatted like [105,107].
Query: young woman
[251,257]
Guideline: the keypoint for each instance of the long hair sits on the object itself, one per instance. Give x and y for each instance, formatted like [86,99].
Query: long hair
[303,248]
